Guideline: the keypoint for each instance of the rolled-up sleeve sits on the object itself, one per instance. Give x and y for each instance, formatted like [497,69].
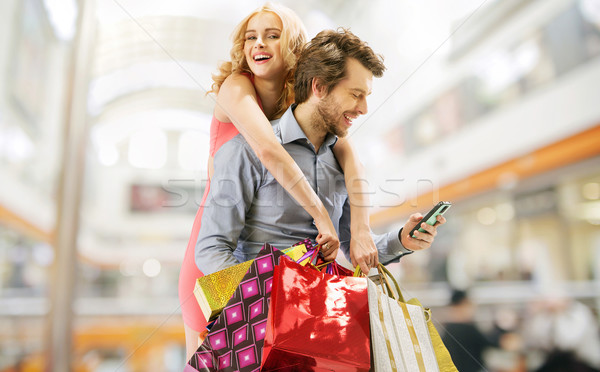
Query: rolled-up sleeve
[389,247]
[236,178]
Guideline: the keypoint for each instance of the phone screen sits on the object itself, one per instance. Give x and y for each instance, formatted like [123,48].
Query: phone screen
[431,216]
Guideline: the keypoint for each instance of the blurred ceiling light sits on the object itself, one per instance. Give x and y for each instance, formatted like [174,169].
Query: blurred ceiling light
[151,267]
[426,130]
[108,155]
[497,71]
[63,17]
[590,211]
[526,57]
[193,150]
[486,216]
[591,191]
[148,149]
[16,145]
[505,211]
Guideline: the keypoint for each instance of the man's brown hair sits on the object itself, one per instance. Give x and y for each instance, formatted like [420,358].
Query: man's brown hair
[325,56]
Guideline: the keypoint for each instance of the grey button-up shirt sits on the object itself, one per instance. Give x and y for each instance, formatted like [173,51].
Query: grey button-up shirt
[246,207]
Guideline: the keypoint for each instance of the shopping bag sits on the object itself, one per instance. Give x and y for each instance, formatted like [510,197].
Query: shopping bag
[329,267]
[316,322]
[333,268]
[402,333]
[235,341]
[213,291]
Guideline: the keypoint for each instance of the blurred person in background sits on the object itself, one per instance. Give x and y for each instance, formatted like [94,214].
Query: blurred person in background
[567,332]
[465,342]
[254,87]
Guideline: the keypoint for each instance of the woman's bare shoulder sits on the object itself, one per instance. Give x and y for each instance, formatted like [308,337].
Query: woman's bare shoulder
[233,90]
[237,81]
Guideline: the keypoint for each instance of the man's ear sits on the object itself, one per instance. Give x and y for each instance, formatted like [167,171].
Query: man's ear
[318,89]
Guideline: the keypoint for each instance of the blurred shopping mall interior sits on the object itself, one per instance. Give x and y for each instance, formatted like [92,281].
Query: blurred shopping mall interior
[104,121]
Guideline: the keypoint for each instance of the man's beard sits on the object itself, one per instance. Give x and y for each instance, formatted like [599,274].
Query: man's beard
[326,118]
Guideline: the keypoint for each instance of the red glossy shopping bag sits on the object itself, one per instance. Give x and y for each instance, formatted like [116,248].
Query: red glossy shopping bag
[316,321]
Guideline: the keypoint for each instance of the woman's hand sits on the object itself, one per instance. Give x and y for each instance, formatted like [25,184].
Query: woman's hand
[422,240]
[363,251]
[330,243]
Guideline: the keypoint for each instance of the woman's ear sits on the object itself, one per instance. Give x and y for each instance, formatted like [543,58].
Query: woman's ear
[318,89]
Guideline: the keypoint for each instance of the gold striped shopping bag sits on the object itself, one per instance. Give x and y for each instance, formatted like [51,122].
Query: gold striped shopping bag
[403,337]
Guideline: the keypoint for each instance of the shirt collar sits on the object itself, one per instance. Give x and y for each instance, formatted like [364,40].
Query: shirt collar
[290,130]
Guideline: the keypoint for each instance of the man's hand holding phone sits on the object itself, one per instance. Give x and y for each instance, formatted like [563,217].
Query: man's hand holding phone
[419,232]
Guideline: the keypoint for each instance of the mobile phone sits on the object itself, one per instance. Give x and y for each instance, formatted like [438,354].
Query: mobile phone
[431,216]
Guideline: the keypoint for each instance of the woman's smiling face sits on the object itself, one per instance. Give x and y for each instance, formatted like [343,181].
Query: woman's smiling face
[262,46]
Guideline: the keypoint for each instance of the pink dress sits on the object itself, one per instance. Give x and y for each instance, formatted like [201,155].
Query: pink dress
[190,310]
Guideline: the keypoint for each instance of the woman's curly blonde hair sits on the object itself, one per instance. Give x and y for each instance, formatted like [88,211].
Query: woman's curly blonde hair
[293,39]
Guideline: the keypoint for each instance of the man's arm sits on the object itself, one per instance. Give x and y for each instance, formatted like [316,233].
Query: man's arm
[237,174]
[389,247]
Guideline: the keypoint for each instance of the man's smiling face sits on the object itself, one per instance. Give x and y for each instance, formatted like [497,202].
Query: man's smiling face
[346,101]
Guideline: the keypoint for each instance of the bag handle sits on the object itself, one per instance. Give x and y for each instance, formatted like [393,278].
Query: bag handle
[320,266]
[312,253]
[386,288]
[329,268]
[385,275]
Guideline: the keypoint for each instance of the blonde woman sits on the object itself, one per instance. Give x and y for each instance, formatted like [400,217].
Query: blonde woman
[254,87]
